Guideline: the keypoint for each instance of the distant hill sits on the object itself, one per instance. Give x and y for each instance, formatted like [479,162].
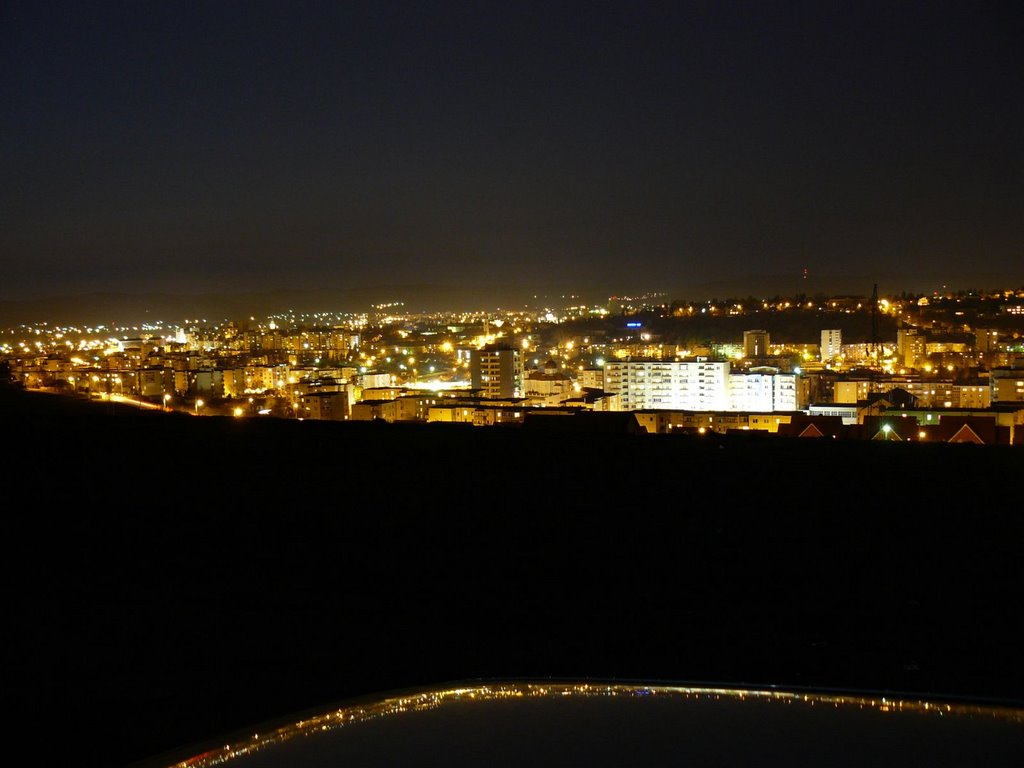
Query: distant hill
[120,308]
[848,285]
[133,308]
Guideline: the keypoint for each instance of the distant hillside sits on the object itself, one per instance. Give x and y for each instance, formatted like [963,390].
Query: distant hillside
[848,285]
[120,308]
[129,308]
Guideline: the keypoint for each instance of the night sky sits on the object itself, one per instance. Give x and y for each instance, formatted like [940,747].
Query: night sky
[608,147]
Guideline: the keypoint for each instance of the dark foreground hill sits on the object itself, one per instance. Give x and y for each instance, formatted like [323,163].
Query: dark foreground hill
[168,578]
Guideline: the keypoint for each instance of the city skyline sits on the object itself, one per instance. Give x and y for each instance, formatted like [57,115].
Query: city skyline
[831,365]
[254,147]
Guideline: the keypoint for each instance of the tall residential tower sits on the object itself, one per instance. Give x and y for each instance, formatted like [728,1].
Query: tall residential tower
[497,371]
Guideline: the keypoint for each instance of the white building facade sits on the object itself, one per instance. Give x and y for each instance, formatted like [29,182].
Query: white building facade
[698,385]
[831,345]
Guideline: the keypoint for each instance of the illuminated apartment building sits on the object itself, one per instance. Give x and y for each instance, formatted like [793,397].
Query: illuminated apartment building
[699,385]
[755,344]
[689,385]
[763,390]
[497,371]
[831,345]
[1007,385]
[910,344]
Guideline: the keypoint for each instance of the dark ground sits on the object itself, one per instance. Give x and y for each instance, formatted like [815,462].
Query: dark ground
[168,579]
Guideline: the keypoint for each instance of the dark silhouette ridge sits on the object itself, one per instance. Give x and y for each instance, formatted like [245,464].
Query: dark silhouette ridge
[171,578]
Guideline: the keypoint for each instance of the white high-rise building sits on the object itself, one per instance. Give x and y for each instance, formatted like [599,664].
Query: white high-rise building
[831,345]
[689,385]
[762,392]
[751,392]
[698,385]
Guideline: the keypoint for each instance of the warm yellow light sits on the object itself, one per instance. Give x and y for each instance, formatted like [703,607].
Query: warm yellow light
[238,411]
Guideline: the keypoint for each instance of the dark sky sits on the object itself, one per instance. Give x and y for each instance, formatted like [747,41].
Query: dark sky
[611,147]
